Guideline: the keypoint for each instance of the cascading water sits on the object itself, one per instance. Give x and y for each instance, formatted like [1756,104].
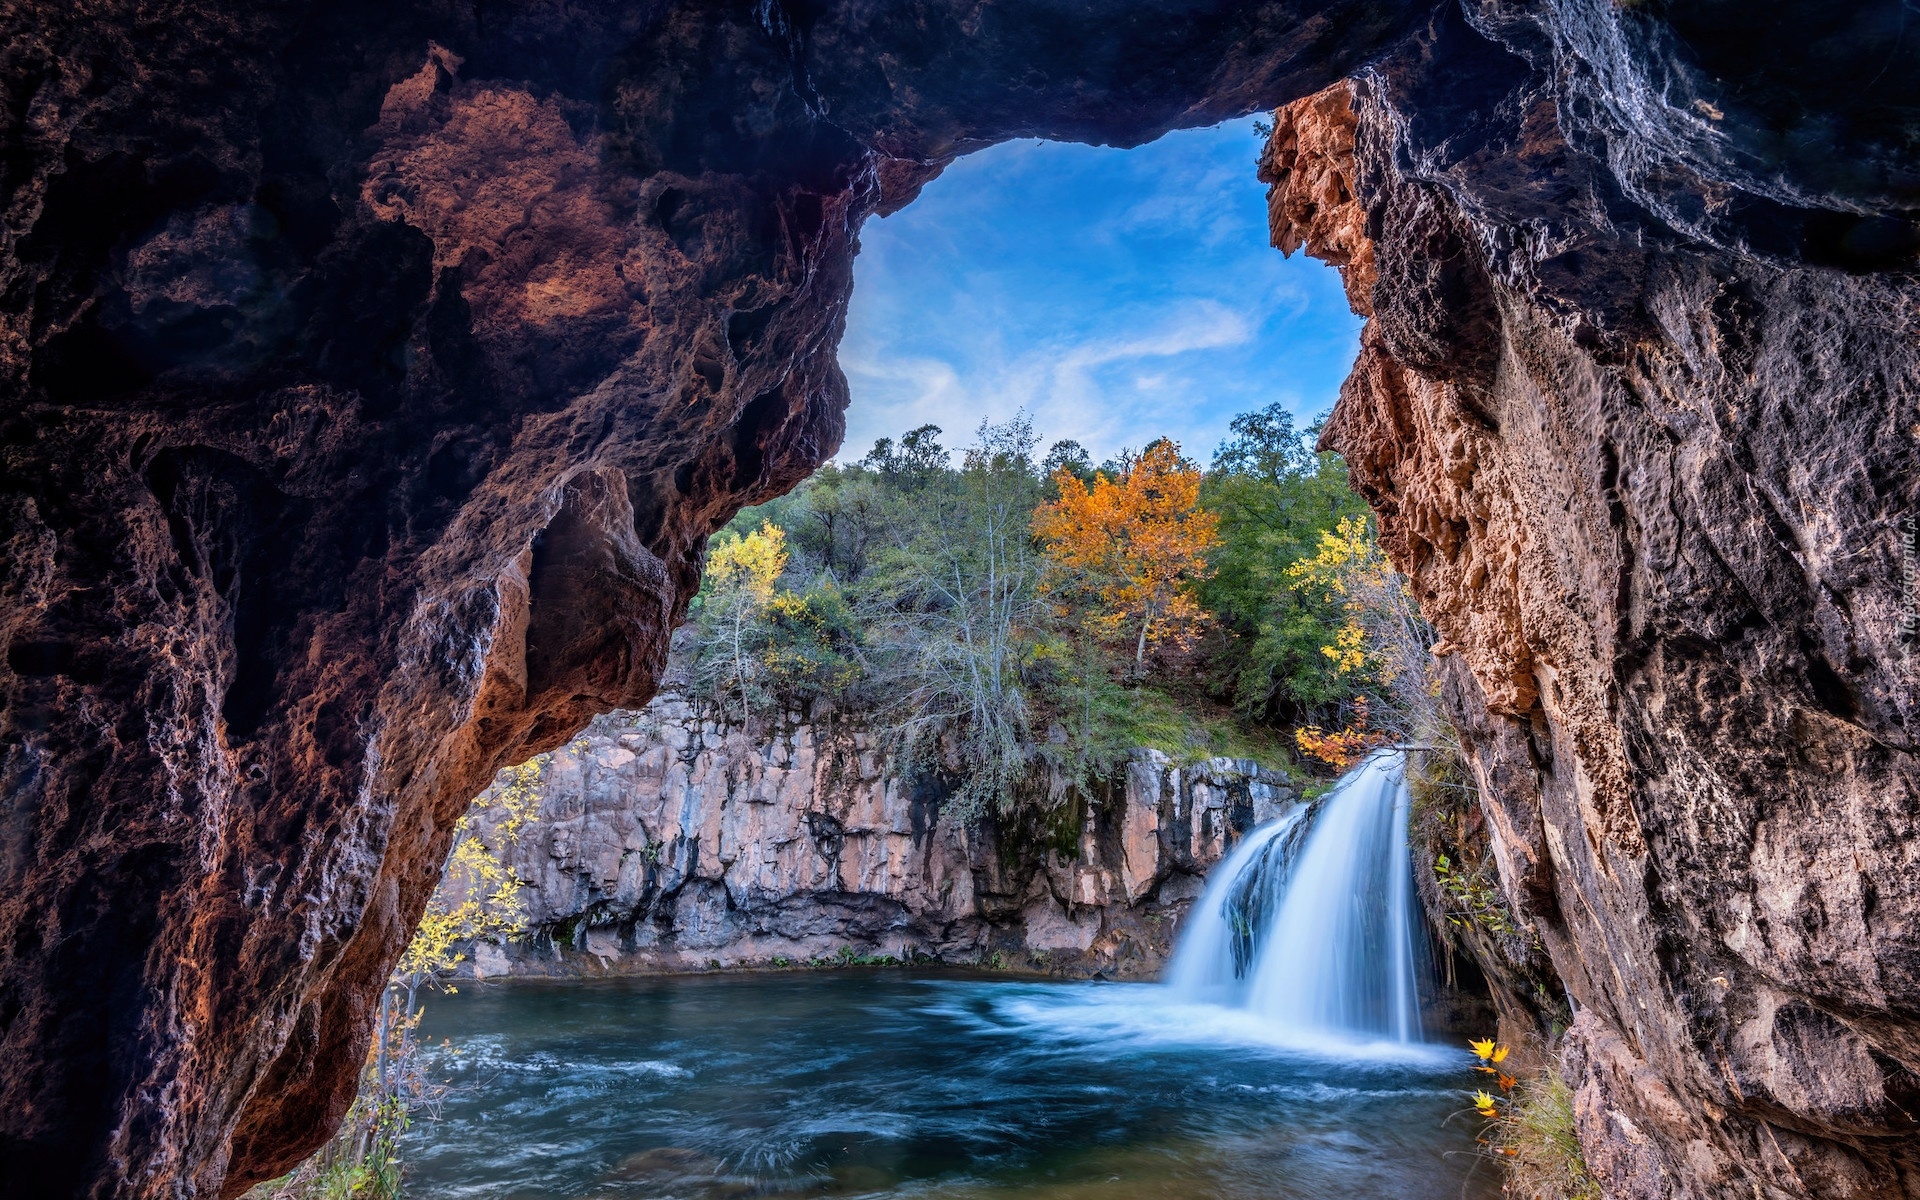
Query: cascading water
[1310,921]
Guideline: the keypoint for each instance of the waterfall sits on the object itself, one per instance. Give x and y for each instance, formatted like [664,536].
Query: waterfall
[1310,922]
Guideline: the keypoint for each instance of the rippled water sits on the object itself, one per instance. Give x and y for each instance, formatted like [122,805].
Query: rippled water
[890,1083]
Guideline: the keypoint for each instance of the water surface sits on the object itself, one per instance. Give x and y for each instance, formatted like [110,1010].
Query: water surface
[892,1083]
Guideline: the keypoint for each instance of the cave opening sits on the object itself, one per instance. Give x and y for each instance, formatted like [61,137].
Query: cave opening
[763,850]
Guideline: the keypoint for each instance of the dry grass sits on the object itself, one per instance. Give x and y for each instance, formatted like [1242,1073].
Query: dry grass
[1535,1138]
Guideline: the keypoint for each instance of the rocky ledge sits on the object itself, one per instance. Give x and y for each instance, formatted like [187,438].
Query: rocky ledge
[668,842]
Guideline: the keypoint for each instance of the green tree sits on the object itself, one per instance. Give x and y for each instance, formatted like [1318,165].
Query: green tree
[916,460]
[1069,456]
[1382,649]
[954,608]
[1274,497]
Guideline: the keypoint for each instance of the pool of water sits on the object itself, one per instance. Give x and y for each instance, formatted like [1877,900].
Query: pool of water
[892,1083]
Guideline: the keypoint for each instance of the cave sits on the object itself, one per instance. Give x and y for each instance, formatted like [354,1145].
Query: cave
[376,373]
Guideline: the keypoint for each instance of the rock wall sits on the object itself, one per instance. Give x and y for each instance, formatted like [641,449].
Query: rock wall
[667,842]
[1655,496]
[371,375]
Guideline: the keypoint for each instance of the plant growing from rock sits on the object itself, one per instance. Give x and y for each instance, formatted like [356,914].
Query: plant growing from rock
[478,898]
[1529,1128]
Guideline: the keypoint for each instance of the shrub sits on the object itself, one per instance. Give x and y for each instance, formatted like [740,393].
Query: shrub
[1538,1142]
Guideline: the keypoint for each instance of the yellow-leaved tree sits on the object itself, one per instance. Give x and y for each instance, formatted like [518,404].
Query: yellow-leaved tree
[1384,646]
[1131,548]
[742,573]
[479,898]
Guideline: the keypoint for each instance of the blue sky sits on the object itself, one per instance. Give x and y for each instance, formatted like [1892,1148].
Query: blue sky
[1116,295]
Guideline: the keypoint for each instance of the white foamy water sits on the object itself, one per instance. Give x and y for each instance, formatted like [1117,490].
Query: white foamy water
[1308,928]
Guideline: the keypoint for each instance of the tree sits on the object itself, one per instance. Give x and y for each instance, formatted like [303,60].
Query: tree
[742,573]
[1132,547]
[954,606]
[842,518]
[1274,497]
[478,898]
[917,459]
[1383,648]
[1265,446]
[1069,456]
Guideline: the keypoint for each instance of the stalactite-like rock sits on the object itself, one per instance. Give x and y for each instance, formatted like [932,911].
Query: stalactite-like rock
[373,373]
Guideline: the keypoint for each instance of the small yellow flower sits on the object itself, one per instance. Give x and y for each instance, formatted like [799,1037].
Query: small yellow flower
[1499,1056]
[1483,1048]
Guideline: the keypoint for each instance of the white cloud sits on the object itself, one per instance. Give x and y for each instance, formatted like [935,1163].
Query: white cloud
[1092,388]
[1115,296]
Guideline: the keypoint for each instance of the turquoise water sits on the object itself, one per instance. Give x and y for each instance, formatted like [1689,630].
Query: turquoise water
[893,1083]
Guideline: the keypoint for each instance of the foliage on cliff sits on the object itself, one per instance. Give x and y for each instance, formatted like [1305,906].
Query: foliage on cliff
[479,897]
[1014,611]
[1126,553]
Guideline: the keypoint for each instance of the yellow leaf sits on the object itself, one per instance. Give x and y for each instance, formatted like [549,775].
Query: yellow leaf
[1483,1048]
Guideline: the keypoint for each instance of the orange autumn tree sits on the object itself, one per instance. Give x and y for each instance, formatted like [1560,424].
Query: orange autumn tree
[1132,546]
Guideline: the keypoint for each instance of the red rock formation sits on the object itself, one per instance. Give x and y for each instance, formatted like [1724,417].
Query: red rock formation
[1661,559]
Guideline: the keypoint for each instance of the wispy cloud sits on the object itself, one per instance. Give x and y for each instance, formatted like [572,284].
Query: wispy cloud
[1115,296]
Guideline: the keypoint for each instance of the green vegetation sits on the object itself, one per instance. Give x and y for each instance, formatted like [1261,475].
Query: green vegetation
[1529,1128]
[1540,1146]
[478,898]
[1012,618]
[1275,498]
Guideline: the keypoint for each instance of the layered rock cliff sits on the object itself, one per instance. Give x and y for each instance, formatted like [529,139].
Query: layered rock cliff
[373,374]
[667,842]
[1660,533]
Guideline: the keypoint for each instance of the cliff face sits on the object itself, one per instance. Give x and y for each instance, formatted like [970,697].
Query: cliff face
[666,842]
[1661,534]
[373,374]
